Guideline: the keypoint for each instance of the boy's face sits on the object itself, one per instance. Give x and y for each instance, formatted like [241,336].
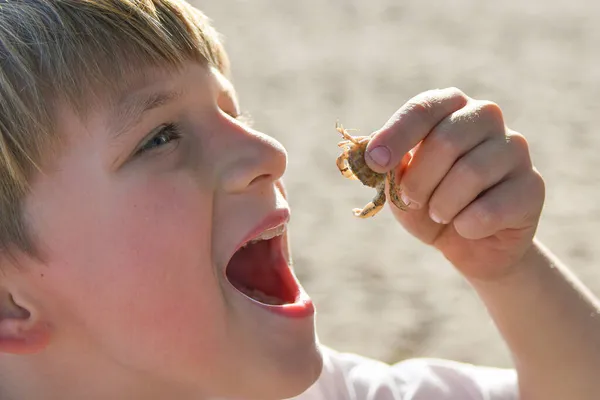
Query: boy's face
[138,218]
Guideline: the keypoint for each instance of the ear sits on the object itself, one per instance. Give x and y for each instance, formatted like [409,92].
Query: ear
[21,330]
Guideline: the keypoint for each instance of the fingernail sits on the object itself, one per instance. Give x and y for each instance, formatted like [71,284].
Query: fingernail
[380,155]
[435,218]
[410,203]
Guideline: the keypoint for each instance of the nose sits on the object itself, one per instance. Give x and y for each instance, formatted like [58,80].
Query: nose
[250,159]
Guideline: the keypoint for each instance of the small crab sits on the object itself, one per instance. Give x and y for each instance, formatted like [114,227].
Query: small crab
[352,165]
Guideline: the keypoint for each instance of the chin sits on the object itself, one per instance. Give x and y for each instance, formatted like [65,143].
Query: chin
[304,378]
[294,378]
[274,316]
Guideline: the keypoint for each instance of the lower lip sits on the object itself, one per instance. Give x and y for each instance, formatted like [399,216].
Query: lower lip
[302,308]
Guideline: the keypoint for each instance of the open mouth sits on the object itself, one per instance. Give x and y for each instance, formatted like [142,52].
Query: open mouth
[260,270]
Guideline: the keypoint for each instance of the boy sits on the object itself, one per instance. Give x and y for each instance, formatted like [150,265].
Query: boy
[143,227]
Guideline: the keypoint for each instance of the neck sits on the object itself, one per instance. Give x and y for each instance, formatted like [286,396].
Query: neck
[30,377]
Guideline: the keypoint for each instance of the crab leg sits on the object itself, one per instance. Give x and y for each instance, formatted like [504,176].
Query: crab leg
[374,206]
[395,191]
[344,132]
[342,164]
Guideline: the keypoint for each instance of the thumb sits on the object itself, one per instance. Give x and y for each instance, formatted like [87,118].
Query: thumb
[410,125]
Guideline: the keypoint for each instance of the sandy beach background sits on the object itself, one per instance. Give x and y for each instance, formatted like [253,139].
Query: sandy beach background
[300,65]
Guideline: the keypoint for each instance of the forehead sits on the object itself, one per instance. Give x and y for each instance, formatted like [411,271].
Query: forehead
[171,81]
[223,83]
[152,88]
[150,83]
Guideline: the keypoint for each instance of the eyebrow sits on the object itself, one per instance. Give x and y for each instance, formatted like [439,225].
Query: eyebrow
[129,110]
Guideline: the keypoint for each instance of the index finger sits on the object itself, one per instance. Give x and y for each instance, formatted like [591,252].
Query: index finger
[410,125]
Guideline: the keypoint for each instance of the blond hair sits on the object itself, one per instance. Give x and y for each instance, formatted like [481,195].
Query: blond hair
[76,51]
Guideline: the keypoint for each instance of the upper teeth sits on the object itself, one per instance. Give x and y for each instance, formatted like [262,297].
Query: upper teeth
[268,234]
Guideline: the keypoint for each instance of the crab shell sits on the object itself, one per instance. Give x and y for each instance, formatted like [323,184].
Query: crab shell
[352,165]
[358,165]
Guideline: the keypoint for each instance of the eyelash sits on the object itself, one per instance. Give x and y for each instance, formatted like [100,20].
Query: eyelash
[245,118]
[173,132]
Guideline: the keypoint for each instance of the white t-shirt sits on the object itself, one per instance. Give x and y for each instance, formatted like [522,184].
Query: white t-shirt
[352,377]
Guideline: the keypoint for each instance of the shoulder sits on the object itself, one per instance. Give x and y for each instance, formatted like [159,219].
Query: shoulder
[352,377]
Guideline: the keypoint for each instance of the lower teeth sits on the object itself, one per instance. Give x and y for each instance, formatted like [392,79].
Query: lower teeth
[262,297]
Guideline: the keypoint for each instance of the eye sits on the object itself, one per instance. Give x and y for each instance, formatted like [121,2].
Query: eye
[165,135]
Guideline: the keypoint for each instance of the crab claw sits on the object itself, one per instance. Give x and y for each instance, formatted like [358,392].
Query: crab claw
[374,206]
[342,164]
[370,210]
[395,191]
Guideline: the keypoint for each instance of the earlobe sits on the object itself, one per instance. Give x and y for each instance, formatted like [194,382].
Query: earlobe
[21,332]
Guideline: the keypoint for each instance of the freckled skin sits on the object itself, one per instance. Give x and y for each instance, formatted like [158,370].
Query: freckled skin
[352,165]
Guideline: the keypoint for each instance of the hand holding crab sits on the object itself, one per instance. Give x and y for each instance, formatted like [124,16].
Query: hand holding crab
[352,165]
[467,186]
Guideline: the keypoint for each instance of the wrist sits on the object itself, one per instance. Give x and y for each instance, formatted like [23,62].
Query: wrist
[541,305]
[530,262]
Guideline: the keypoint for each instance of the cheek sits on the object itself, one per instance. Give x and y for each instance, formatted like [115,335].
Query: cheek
[135,270]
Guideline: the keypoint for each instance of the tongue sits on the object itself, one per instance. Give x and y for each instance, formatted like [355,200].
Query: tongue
[254,268]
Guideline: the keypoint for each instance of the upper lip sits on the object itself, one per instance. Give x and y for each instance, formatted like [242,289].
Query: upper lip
[272,221]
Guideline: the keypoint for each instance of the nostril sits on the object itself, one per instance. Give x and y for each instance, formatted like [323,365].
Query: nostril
[245,178]
[261,178]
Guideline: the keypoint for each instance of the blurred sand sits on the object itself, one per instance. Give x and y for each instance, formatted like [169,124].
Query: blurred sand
[299,65]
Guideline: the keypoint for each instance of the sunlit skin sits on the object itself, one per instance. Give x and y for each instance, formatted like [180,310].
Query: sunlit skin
[468,179]
[475,196]
[135,232]
[136,221]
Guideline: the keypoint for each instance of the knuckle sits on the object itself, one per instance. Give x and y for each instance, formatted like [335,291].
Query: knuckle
[519,145]
[421,107]
[533,192]
[454,93]
[426,103]
[490,112]
[487,214]
[472,170]
[445,142]
[538,185]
